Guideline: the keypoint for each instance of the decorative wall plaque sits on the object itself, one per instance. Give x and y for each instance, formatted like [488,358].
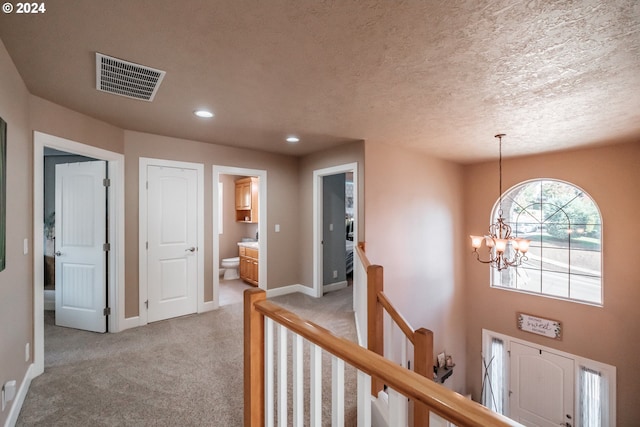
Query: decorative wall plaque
[538,325]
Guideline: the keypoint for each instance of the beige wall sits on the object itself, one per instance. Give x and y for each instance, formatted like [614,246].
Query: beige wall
[413,211]
[607,334]
[16,281]
[349,153]
[282,204]
[53,119]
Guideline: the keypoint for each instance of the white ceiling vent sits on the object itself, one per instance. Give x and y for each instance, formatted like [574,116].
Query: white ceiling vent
[125,78]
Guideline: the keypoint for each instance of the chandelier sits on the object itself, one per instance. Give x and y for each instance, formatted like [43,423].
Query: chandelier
[503,249]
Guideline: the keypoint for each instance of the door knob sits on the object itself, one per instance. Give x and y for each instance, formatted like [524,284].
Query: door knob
[191,249]
[58,253]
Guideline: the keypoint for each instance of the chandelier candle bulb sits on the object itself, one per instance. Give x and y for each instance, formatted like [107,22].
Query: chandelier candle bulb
[523,245]
[501,245]
[476,241]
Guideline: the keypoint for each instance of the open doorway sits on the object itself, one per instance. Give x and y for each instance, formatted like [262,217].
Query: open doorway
[75,233]
[239,232]
[115,257]
[335,214]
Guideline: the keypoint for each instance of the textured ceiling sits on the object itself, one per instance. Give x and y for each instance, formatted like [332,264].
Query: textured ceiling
[441,77]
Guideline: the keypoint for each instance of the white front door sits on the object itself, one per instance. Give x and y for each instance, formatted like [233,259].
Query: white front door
[541,390]
[172,264]
[80,236]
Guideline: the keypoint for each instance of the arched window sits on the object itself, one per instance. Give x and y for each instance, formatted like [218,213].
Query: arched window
[565,228]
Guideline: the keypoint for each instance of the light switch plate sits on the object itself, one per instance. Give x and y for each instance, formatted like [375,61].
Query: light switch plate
[8,392]
[277,228]
[26,246]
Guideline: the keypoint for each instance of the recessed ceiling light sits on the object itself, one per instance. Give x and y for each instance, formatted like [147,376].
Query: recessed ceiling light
[293,139]
[203,114]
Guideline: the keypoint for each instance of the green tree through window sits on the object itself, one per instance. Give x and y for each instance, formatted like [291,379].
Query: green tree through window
[564,226]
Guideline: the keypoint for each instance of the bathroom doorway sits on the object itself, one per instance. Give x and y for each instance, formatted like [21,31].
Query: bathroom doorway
[236,230]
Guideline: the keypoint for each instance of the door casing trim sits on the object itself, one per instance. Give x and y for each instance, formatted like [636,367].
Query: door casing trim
[318,174]
[202,306]
[115,162]
[608,370]
[216,171]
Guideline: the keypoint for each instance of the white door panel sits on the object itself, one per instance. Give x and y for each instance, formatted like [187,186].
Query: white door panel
[80,235]
[172,236]
[542,386]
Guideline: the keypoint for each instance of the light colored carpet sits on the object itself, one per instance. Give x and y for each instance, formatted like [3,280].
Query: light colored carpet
[230,291]
[180,372]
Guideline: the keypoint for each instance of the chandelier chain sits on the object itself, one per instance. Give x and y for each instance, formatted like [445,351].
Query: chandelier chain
[504,250]
[499,136]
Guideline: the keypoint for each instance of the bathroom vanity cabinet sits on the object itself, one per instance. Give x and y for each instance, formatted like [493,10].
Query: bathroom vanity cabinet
[249,265]
[247,200]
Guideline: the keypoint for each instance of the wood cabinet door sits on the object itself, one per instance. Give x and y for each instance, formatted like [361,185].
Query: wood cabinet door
[243,195]
[243,267]
[254,270]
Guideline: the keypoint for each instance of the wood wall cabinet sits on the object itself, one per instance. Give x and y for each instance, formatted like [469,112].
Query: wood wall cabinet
[249,265]
[247,200]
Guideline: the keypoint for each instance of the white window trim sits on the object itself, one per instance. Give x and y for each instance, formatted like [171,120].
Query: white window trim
[492,217]
[608,372]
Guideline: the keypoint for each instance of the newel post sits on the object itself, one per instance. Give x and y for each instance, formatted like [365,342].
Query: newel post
[253,359]
[375,341]
[423,354]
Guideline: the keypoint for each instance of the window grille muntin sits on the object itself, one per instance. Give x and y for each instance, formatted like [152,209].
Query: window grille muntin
[565,228]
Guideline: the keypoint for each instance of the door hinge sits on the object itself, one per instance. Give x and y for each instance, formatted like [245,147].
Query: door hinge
[106,247]
[146,304]
[147,245]
[106,182]
[509,353]
[147,185]
[106,311]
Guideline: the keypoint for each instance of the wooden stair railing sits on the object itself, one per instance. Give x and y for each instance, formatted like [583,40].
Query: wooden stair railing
[444,402]
[422,339]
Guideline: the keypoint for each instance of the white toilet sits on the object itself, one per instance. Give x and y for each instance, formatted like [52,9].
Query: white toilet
[230,266]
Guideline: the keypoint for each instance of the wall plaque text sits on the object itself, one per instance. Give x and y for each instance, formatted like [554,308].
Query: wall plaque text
[537,325]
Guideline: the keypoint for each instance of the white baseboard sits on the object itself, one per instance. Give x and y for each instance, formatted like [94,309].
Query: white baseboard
[129,322]
[12,419]
[207,306]
[49,299]
[284,290]
[334,286]
[380,410]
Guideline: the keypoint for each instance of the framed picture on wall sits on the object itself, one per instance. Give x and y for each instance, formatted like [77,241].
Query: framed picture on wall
[3,193]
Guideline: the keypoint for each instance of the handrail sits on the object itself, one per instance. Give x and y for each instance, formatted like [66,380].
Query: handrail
[446,403]
[362,255]
[398,318]
[422,339]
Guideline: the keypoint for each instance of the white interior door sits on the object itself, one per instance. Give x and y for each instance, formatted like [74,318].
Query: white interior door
[172,264]
[80,235]
[542,385]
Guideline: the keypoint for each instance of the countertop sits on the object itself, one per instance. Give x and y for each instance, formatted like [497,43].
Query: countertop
[253,245]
